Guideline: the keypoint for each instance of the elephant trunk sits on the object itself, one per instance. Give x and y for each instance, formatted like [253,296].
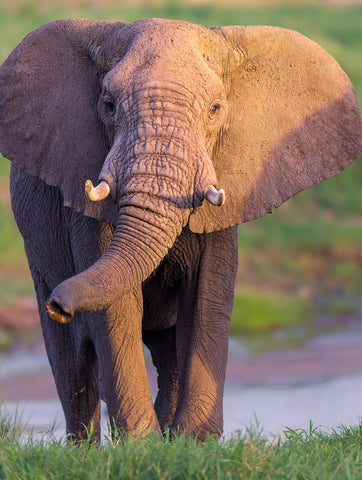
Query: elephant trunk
[141,240]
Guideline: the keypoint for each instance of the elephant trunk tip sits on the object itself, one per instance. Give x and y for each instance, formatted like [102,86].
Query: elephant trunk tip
[57,313]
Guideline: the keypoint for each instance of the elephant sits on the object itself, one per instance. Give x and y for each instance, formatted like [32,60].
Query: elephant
[177,133]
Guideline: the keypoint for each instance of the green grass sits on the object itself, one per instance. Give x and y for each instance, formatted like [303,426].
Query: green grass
[301,455]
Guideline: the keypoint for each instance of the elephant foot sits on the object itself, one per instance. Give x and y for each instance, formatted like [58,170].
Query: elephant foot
[141,426]
[193,424]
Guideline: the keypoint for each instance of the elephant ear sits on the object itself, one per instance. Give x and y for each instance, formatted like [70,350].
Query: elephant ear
[49,127]
[293,122]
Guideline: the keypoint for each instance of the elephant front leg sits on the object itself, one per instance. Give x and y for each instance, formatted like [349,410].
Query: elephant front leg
[120,354]
[202,337]
[75,370]
[74,365]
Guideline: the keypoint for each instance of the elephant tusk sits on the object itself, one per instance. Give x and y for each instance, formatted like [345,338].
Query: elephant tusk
[215,197]
[100,192]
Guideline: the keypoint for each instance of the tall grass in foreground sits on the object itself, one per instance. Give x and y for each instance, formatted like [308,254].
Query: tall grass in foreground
[301,455]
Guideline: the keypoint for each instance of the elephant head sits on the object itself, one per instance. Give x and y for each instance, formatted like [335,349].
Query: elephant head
[165,115]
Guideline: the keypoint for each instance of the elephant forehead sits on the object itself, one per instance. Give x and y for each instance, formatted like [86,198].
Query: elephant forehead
[165,35]
[164,49]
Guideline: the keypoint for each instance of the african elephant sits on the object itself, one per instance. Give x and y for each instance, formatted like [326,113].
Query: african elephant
[189,131]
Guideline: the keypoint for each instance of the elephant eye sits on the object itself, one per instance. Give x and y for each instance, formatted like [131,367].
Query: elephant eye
[215,107]
[109,106]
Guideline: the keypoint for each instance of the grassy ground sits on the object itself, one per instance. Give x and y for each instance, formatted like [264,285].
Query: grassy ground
[310,249]
[302,455]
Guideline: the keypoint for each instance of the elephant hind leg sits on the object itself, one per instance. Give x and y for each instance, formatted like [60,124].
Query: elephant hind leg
[162,345]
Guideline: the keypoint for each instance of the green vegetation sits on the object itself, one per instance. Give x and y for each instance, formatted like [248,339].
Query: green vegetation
[11,243]
[311,246]
[256,311]
[301,455]
[12,286]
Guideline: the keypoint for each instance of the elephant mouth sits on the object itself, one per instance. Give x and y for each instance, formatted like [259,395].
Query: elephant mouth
[58,313]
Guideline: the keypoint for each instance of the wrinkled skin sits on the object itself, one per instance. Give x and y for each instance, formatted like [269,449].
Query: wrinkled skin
[159,112]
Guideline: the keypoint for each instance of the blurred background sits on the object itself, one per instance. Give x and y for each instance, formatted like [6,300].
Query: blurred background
[300,269]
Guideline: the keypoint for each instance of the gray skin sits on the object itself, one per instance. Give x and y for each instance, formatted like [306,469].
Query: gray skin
[161,111]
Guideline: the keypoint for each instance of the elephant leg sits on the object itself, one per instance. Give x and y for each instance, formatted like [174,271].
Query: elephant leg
[162,345]
[118,340]
[74,366]
[202,332]
[59,242]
